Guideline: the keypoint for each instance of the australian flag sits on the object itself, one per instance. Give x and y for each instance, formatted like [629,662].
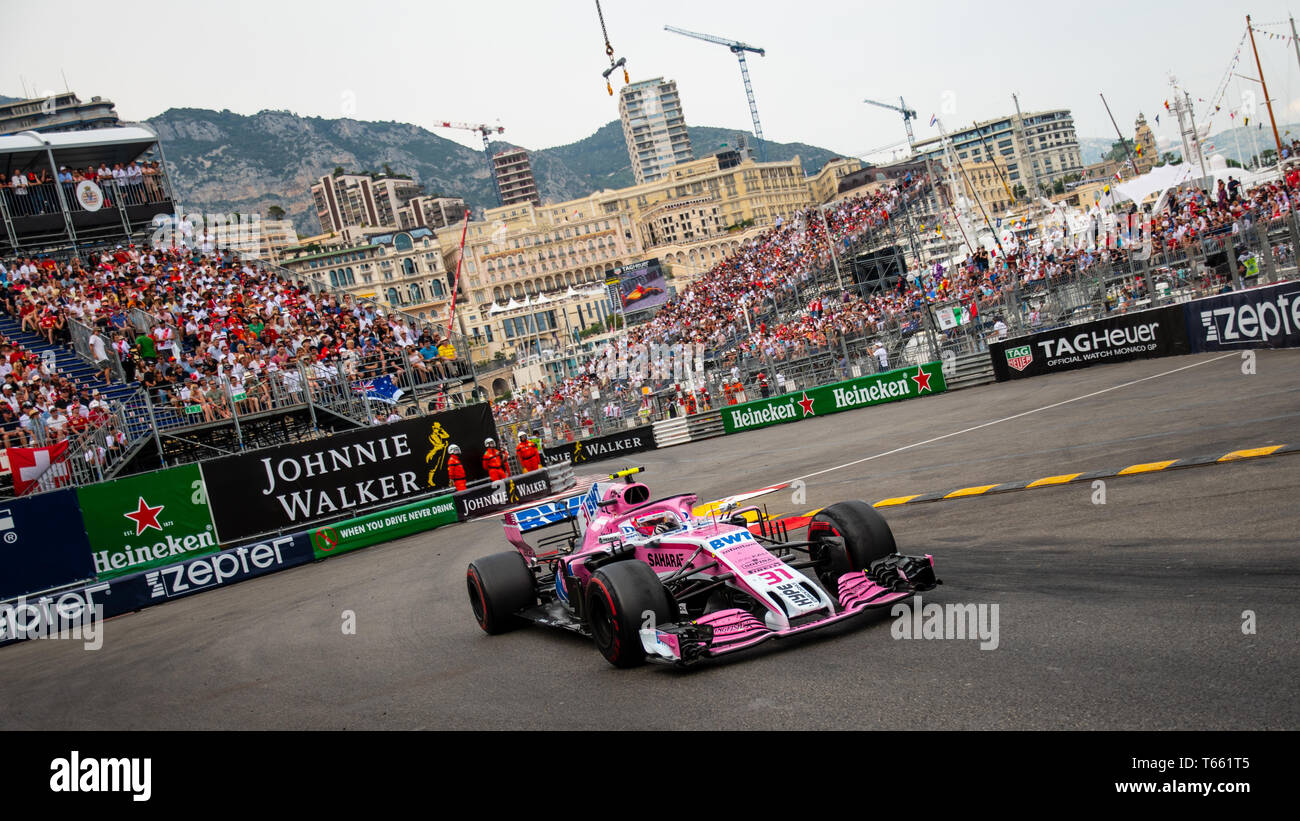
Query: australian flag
[380,389]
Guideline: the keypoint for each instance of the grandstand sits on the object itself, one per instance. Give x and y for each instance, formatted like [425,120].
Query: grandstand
[65,190]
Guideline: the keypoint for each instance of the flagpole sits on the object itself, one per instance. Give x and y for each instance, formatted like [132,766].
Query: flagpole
[1267,101]
[460,258]
[1122,141]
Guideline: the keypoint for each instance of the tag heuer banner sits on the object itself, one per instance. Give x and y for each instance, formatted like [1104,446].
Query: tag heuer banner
[609,446]
[147,521]
[295,486]
[1266,317]
[891,386]
[1118,338]
[394,523]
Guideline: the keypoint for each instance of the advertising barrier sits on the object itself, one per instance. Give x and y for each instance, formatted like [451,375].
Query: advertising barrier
[596,448]
[1120,338]
[891,386]
[490,496]
[394,523]
[292,486]
[42,543]
[1266,317]
[146,521]
[35,617]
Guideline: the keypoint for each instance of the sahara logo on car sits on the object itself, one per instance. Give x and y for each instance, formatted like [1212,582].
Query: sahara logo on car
[666,560]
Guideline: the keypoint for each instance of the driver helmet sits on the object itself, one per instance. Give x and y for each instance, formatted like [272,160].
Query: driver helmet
[454,449]
[523,437]
[489,443]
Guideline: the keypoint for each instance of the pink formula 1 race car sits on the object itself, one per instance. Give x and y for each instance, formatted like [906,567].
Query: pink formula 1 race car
[650,579]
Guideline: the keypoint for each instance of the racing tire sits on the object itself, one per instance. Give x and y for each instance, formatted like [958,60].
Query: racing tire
[619,597]
[499,587]
[866,534]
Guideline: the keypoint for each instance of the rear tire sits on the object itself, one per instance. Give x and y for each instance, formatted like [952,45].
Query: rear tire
[866,534]
[620,597]
[499,587]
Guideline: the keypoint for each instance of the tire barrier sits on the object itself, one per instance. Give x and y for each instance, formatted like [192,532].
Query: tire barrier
[971,369]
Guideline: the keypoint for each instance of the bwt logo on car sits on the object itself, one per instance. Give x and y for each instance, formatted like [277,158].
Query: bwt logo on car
[730,538]
[1253,322]
[215,570]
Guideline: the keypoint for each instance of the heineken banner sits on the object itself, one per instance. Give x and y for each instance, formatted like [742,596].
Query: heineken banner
[609,446]
[1118,338]
[891,386]
[291,487]
[42,543]
[490,496]
[147,521]
[394,523]
[1266,317]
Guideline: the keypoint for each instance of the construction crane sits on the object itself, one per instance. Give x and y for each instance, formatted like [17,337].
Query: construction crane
[484,131]
[908,115]
[609,52]
[737,48]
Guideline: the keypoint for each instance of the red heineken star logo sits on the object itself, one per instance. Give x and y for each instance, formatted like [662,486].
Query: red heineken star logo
[807,405]
[145,517]
[922,380]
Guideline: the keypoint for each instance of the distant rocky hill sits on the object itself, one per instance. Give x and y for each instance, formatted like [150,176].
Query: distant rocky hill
[225,162]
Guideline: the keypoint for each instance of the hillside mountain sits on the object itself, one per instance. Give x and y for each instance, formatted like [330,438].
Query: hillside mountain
[225,162]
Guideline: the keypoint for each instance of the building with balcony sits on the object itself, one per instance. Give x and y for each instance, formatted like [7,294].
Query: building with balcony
[361,200]
[654,128]
[514,175]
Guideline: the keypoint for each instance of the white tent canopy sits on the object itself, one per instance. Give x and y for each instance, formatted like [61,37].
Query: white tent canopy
[1155,181]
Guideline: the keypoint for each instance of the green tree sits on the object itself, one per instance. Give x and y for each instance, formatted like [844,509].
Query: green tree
[275,212]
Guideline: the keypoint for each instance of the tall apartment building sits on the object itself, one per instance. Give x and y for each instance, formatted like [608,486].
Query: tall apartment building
[60,112]
[654,128]
[1038,145]
[359,200]
[514,175]
[432,212]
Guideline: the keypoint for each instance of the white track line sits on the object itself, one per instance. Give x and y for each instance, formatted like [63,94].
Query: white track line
[1009,418]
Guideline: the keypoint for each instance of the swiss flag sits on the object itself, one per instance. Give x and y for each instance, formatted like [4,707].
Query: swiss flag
[29,465]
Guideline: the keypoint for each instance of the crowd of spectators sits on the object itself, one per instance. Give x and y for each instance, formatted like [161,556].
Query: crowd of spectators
[223,334]
[220,332]
[771,275]
[31,192]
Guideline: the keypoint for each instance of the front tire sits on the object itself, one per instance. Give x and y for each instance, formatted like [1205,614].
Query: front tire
[620,597]
[499,587]
[866,535]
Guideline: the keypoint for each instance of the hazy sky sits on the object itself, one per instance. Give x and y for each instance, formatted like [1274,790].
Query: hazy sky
[534,67]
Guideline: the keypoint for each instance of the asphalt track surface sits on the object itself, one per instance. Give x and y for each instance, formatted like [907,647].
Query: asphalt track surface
[1123,615]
